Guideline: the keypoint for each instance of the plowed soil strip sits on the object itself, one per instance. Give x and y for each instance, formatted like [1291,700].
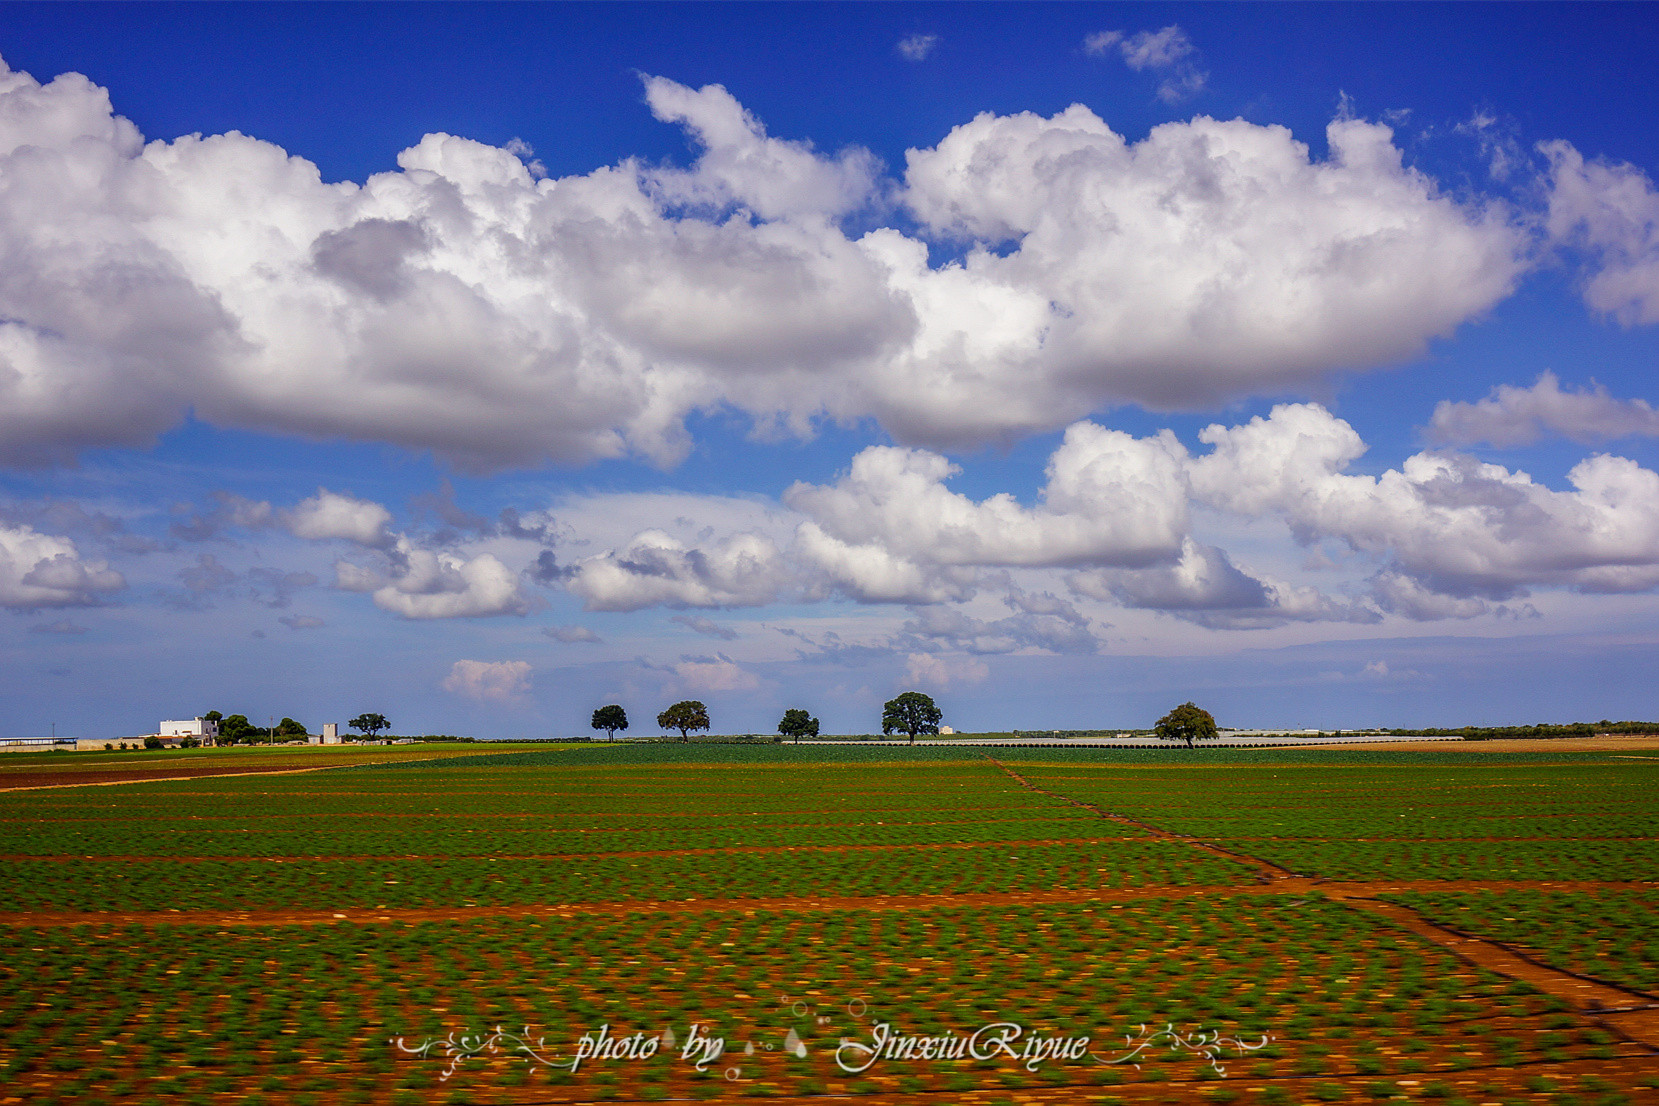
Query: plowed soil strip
[46,781]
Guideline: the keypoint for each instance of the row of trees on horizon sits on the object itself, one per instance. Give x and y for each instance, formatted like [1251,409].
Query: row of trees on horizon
[911,713]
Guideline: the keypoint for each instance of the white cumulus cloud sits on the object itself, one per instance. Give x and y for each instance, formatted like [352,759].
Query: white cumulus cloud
[460,305]
[717,673]
[489,681]
[1612,212]
[433,584]
[1454,524]
[938,671]
[1110,498]
[1513,416]
[657,569]
[329,515]
[41,570]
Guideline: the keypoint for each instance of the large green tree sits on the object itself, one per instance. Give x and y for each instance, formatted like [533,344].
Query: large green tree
[911,713]
[685,716]
[370,724]
[236,728]
[1186,723]
[798,724]
[610,719]
[290,728]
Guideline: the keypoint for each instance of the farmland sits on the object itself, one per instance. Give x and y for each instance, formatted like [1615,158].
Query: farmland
[1443,925]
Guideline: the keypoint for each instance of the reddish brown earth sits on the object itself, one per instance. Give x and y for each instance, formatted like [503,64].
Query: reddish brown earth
[43,779]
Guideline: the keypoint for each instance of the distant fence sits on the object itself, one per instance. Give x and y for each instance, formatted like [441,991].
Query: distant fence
[35,744]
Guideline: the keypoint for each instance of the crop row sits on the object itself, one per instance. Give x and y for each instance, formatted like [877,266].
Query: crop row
[91,1012]
[1476,860]
[97,885]
[418,836]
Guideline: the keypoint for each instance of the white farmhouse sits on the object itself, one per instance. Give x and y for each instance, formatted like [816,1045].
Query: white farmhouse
[205,728]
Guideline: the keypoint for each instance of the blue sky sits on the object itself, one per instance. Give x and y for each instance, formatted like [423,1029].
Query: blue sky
[481,365]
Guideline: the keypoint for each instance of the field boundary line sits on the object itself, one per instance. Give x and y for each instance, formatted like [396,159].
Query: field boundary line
[1267,870]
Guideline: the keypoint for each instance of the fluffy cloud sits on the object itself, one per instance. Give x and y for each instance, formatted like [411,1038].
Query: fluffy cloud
[1110,499]
[461,305]
[940,672]
[656,569]
[1209,259]
[872,573]
[1049,624]
[430,584]
[1204,586]
[331,515]
[1168,50]
[1455,525]
[1612,212]
[40,570]
[1513,416]
[489,681]
[918,46]
[718,673]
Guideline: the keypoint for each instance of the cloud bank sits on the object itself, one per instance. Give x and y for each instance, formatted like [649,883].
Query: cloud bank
[460,304]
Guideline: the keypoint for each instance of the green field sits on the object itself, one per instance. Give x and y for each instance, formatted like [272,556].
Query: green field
[267,937]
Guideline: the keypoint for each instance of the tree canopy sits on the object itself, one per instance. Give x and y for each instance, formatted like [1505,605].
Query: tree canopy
[370,724]
[911,713]
[610,718]
[685,716]
[798,724]
[1186,723]
[290,728]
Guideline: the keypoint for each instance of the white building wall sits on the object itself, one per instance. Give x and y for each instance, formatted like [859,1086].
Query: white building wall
[192,727]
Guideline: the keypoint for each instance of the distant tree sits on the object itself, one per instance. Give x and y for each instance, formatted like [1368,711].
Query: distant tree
[370,724]
[213,716]
[911,713]
[152,742]
[610,719]
[290,728]
[685,716]
[1186,723]
[798,724]
[235,728]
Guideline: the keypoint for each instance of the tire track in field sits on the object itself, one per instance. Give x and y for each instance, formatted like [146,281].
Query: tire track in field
[1624,1011]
